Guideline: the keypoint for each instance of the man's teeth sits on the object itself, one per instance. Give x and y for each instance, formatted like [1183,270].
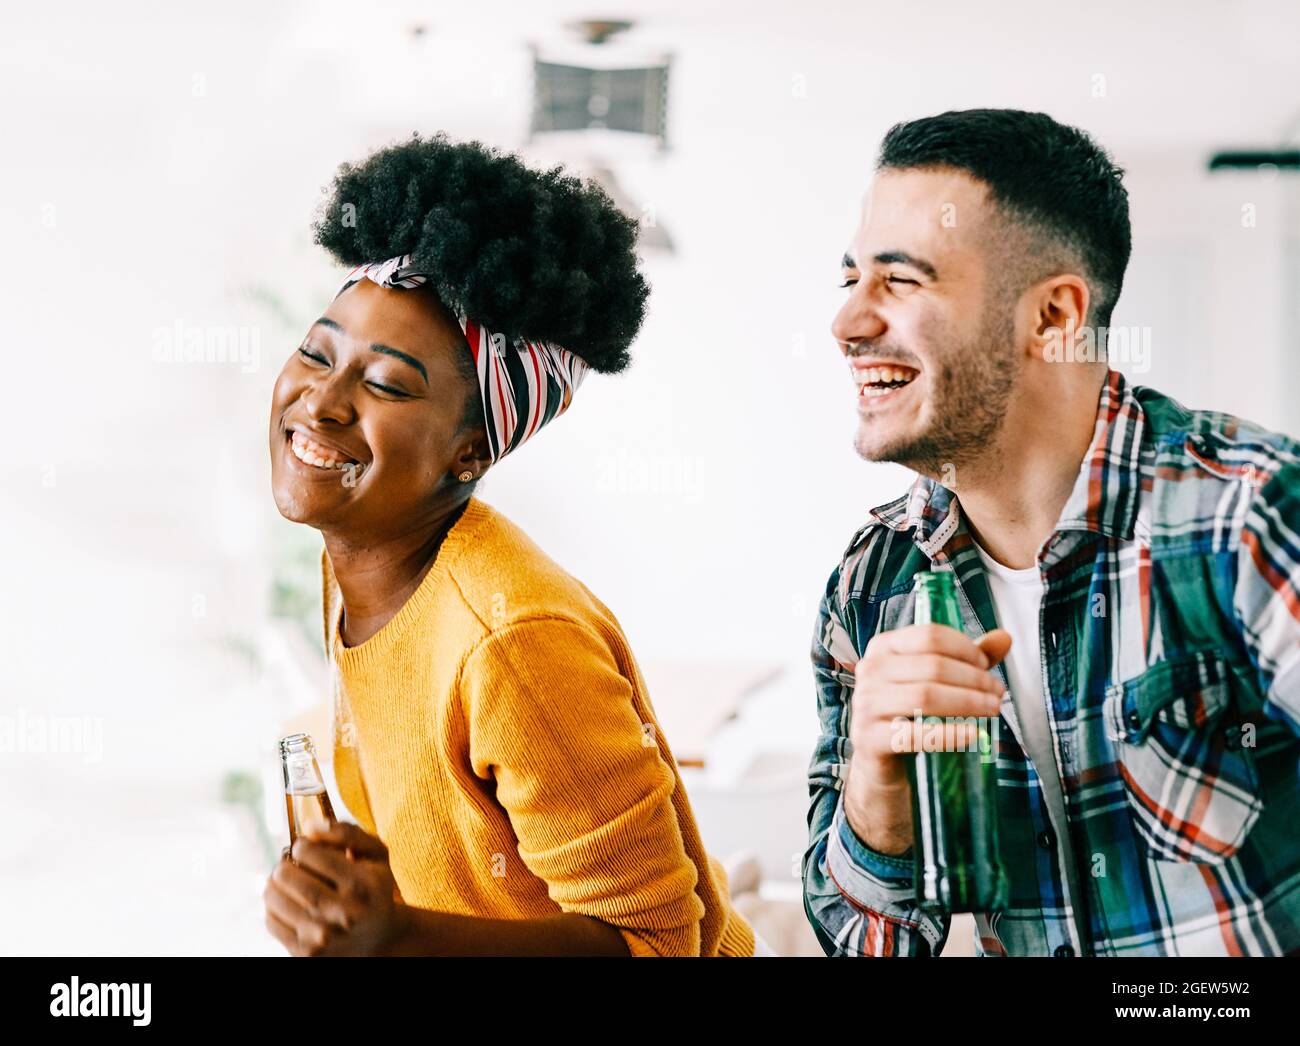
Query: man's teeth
[313,453]
[877,381]
[875,375]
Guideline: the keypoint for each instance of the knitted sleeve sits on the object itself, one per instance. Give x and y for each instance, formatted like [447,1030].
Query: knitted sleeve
[553,721]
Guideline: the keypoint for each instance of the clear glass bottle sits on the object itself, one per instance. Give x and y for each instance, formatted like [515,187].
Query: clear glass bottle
[305,797]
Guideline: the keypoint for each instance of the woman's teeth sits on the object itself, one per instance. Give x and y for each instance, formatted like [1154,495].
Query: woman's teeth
[313,453]
[877,381]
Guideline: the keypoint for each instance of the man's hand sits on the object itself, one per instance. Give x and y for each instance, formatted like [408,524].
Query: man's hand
[926,670]
[335,895]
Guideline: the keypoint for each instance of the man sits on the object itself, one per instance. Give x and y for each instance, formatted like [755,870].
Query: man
[1141,559]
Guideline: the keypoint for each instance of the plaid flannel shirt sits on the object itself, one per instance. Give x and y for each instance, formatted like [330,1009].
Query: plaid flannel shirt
[1170,631]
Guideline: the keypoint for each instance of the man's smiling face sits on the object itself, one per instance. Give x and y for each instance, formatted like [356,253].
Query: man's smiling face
[926,329]
[366,415]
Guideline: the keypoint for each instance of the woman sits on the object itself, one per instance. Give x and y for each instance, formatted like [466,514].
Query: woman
[491,725]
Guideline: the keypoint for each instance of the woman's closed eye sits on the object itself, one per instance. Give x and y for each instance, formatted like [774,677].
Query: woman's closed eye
[389,390]
[316,358]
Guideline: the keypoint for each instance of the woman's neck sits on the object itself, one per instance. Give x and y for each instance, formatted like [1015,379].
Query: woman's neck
[375,579]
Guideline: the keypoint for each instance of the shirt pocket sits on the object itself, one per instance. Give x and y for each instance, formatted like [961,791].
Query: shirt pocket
[1193,793]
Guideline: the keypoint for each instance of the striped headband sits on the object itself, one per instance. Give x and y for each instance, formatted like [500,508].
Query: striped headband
[522,384]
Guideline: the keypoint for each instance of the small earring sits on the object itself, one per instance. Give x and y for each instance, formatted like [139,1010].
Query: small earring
[466,476]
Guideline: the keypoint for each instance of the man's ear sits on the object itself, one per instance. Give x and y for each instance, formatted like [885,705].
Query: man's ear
[1064,302]
[1058,310]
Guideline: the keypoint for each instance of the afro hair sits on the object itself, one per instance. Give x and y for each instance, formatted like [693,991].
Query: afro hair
[534,254]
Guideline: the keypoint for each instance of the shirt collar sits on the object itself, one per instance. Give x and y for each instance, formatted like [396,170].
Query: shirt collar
[1104,499]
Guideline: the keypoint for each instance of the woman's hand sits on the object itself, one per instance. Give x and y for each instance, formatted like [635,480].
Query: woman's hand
[339,898]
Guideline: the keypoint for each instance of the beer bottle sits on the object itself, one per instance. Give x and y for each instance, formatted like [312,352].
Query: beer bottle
[305,797]
[954,808]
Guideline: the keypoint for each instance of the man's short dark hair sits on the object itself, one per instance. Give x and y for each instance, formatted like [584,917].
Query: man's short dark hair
[1053,179]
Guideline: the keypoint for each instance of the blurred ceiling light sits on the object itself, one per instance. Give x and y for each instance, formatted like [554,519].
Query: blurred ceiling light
[595,85]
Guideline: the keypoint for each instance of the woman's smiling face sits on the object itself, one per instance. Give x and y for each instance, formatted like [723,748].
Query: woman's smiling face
[366,416]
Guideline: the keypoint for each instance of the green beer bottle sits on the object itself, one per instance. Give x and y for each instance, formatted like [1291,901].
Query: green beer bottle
[954,808]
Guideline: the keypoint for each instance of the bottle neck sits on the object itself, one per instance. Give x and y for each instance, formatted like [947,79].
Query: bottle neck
[302,774]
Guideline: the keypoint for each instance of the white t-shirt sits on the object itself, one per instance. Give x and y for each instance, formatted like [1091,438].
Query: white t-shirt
[1017,602]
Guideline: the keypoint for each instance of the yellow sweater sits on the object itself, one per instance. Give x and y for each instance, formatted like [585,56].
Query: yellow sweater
[496,734]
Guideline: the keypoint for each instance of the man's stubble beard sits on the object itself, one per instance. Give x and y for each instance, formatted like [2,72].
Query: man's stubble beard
[969,393]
